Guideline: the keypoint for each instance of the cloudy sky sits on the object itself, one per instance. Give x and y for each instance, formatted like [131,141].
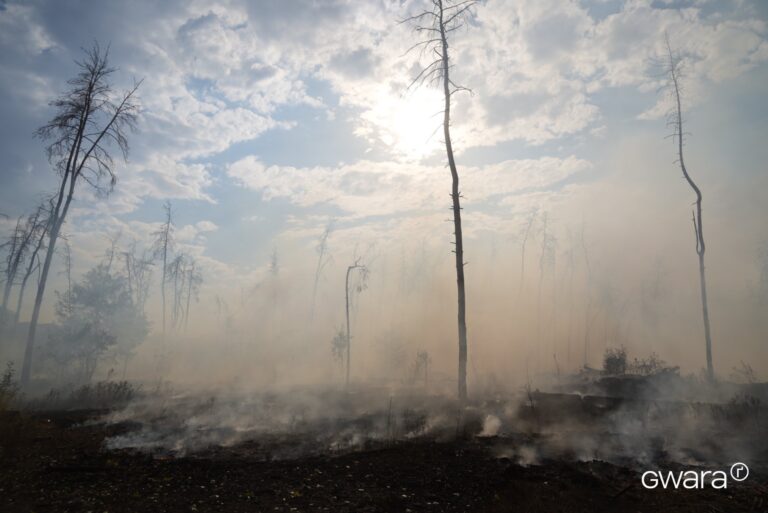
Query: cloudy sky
[264,119]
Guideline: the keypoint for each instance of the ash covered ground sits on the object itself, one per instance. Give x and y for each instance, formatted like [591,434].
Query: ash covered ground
[579,446]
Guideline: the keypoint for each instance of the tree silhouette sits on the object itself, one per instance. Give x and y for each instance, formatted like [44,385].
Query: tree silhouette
[435,25]
[89,118]
[675,121]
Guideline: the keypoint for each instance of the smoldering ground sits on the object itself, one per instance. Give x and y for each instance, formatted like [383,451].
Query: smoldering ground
[532,427]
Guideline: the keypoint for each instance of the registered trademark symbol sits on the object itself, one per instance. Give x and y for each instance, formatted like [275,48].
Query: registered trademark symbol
[739,471]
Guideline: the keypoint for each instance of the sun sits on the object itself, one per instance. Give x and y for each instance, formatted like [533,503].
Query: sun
[410,123]
[417,121]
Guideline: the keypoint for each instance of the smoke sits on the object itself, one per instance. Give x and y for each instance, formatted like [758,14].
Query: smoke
[617,268]
[635,430]
[278,425]
[610,274]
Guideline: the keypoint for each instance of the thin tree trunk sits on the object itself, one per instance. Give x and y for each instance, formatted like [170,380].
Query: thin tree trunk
[522,252]
[698,226]
[27,274]
[455,195]
[19,300]
[588,309]
[88,98]
[189,295]
[542,256]
[58,216]
[346,295]
[57,220]
[29,349]
[705,315]
[570,311]
[554,309]
[321,250]
[16,253]
[162,285]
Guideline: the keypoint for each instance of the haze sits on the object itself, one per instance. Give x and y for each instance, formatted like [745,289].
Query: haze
[264,124]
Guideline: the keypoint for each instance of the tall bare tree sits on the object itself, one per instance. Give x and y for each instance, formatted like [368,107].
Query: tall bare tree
[163,247]
[434,25]
[675,121]
[89,118]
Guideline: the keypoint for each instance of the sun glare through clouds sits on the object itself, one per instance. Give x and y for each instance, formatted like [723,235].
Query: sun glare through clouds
[411,121]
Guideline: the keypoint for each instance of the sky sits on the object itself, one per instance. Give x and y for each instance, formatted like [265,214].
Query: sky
[263,121]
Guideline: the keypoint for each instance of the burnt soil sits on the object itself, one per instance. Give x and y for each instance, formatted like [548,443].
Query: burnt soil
[55,461]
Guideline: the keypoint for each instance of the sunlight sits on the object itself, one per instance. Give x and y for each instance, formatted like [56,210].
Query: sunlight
[412,122]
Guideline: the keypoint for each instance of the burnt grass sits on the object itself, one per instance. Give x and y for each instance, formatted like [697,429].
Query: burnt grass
[56,461]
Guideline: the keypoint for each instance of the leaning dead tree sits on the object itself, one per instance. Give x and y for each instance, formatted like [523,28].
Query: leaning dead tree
[38,223]
[675,121]
[14,247]
[360,286]
[22,249]
[89,118]
[435,25]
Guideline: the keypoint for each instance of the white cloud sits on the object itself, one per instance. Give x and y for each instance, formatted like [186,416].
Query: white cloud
[206,226]
[368,188]
[217,74]
[221,74]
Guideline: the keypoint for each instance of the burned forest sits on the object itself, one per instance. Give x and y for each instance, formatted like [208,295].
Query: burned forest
[384,256]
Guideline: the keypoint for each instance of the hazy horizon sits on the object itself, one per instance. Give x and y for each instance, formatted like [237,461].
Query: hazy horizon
[264,123]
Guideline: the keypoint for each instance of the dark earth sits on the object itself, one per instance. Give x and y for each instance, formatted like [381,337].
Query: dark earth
[55,461]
